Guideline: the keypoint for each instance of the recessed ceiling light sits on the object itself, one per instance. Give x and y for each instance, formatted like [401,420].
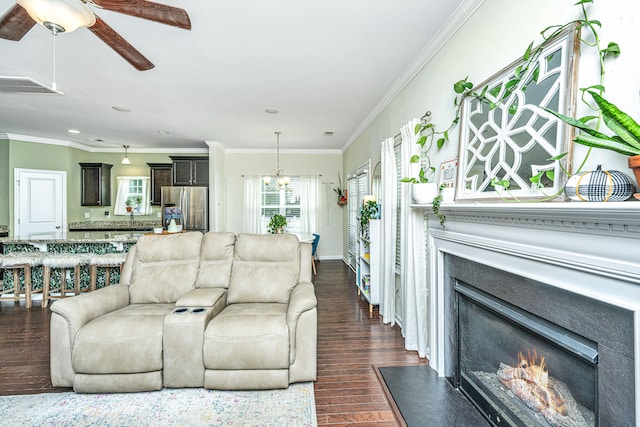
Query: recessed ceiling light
[164,132]
[271,110]
[121,109]
[328,133]
[73,131]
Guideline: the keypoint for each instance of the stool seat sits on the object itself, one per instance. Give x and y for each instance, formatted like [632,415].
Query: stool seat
[25,261]
[107,261]
[62,261]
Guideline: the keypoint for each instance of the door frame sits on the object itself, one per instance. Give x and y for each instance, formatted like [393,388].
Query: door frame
[16,195]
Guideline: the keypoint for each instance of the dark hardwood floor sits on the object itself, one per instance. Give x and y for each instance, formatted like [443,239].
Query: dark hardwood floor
[350,343]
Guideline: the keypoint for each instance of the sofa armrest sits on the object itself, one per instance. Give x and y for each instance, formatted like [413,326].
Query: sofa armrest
[81,309]
[303,298]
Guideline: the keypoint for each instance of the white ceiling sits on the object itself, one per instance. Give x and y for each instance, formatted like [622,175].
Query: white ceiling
[325,65]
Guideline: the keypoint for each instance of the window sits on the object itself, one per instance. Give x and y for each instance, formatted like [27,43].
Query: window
[133,191]
[285,201]
[358,186]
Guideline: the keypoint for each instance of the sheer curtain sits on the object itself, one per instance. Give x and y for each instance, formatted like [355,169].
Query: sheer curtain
[388,219]
[251,222]
[308,204]
[413,257]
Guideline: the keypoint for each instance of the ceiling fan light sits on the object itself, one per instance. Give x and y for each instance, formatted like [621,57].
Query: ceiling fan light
[68,14]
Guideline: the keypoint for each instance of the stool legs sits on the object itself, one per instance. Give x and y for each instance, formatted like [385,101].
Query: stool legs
[16,282]
[46,291]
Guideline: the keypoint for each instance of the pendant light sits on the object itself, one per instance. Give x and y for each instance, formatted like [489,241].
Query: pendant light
[277,174]
[125,160]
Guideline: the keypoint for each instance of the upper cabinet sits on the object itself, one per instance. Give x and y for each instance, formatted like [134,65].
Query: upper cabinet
[161,176]
[190,170]
[95,182]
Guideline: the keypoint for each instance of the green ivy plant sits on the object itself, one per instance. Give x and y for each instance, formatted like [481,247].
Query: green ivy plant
[435,206]
[277,224]
[368,211]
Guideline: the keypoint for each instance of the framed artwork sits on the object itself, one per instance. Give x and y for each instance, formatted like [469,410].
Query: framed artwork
[509,137]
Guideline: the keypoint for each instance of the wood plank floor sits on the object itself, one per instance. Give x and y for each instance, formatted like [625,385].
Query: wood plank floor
[350,343]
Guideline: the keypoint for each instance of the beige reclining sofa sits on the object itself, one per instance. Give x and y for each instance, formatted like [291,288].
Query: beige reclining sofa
[210,310]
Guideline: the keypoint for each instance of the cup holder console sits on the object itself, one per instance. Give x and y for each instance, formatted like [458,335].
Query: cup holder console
[185,310]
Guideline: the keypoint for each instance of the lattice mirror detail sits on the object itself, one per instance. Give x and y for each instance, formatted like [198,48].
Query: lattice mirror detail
[514,140]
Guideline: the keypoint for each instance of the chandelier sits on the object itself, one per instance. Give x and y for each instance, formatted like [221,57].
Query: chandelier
[277,174]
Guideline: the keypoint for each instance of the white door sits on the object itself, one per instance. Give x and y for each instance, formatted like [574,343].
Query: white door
[40,202]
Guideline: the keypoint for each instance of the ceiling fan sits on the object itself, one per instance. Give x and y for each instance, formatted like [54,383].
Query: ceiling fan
[67,15]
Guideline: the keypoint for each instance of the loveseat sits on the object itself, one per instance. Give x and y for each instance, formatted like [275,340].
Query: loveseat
[214,310]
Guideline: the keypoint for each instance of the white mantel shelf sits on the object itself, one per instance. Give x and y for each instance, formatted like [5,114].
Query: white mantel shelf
[618,216]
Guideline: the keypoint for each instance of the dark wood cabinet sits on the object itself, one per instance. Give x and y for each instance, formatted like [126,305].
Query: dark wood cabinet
[161,175]
[190,170]
[95,182]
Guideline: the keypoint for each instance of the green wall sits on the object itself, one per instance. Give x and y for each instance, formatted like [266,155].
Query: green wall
[4,182]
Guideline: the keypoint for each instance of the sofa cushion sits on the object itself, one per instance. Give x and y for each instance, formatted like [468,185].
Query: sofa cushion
[265,268]
[216,258]
[125,341]
[165,267]
[248,336]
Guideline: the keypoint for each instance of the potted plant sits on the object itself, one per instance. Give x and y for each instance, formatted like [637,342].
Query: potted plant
[129,205]
[423,189]
[277,224]
[368,211]
[138,203]
[342,193]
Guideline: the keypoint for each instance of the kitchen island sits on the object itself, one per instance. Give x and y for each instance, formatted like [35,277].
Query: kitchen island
[72,242]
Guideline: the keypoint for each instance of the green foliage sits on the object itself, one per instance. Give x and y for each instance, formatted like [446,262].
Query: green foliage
[367,211]
[435,206]
[277,224]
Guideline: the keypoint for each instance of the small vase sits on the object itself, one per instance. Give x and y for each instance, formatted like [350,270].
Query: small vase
[423,194]
[172,228]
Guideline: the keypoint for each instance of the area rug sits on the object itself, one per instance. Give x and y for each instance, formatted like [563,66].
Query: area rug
[294,407]
[424,399]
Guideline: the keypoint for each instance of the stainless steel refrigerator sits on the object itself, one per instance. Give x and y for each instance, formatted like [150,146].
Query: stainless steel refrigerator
[193,203]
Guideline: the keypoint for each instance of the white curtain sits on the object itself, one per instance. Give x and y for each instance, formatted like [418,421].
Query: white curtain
[122,192]
[388,219]
[308,204]
[413,257]
[251,222]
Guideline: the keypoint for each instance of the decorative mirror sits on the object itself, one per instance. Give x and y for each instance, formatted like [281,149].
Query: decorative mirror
[376,182]
[514,140]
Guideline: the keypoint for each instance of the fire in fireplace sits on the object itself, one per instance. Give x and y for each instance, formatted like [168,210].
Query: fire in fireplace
[521,370]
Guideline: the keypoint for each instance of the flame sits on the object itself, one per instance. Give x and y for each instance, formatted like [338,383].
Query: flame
[529,381]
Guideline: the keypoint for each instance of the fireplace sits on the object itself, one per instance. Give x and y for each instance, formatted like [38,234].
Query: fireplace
[519,369]
[535,318]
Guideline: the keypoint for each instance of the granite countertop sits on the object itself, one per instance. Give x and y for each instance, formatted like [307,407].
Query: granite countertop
[74,237]
[141,225]
[4,228]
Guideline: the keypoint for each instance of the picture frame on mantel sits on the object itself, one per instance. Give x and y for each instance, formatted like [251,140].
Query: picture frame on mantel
[447,180]
[513,139]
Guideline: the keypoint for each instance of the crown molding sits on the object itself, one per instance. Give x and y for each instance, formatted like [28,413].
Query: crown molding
[457,19]
[286,151]
[88,148]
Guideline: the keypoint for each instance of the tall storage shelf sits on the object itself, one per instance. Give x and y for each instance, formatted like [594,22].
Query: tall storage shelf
[368,265]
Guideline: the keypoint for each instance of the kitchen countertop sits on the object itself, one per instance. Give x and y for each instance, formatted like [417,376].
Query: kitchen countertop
[74,237]
[126,225]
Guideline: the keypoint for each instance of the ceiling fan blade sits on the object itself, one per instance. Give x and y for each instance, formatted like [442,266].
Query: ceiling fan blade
[148,10]
[15,23]
[116,42]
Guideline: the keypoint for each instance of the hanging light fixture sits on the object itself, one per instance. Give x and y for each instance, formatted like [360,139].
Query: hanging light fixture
[59,16]
[125,160]
[277,174]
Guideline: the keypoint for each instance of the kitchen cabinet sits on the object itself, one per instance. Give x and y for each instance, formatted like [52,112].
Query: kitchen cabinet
[95,184]
[161,175]
[190,170]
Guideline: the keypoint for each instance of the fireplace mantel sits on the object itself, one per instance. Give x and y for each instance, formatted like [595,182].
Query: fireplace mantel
[591,249]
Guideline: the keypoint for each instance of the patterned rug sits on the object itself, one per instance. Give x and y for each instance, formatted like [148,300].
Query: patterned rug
[294,407]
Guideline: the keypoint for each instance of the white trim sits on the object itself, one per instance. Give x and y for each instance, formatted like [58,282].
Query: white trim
[286,151]
[80,146]
[456,20]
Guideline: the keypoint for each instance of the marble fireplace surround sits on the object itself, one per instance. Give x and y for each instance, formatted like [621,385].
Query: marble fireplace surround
[590,249]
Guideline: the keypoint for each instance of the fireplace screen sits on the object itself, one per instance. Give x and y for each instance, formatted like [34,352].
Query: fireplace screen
[521,370]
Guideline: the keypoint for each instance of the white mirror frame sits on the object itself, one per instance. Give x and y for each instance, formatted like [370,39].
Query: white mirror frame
[515,144]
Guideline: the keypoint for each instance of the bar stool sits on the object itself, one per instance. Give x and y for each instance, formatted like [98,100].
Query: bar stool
[106,261]
[62,261]
[16,261]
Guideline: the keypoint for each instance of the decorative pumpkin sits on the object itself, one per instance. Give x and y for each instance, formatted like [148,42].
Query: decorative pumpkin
[599,186]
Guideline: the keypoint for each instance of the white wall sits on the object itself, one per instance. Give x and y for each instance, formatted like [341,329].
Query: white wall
[326,163]
[493,37]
